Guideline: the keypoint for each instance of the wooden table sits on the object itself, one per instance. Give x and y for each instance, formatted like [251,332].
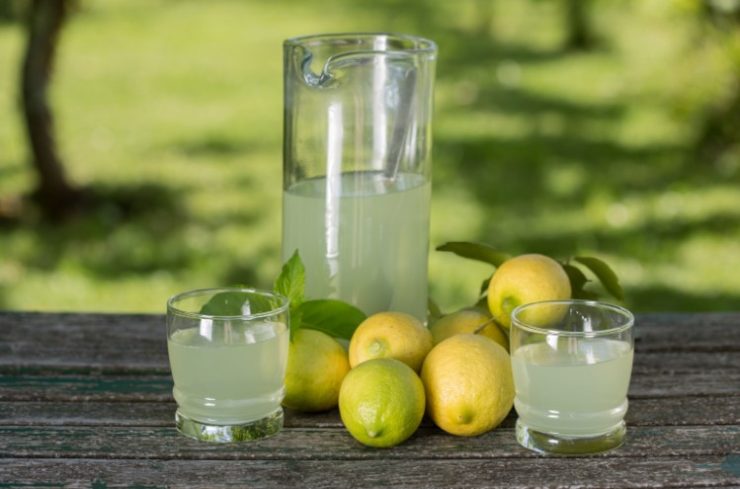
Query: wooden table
[85,401]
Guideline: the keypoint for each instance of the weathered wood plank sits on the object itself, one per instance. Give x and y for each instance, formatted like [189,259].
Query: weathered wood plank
[676,383]
[97,386]
[454,474]
[668,383]
[110,341]
[94,341]
[85,387]
[679,411]
[320,444]
[719,331]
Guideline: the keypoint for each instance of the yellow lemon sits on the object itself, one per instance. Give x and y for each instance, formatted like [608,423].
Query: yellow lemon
[525,279]
[468,320]
[317,364]
[381,402]
[469,385]
[390,335]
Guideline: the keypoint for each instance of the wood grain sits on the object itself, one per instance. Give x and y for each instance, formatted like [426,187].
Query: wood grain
[84,341]
[709,332]
[546,473]
[670,383]
[85,401]
[94,341]
[679,411]
[319,444]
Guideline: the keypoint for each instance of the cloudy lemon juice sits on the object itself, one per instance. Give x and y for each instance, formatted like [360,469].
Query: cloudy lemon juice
[363,238]
[576,391]
[230,375]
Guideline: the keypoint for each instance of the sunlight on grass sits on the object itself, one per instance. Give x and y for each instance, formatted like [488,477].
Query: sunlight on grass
[536,149]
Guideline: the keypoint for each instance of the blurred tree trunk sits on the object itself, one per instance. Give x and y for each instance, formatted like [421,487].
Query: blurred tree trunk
[55,194]
[579,33]
[720,130]
[484,14]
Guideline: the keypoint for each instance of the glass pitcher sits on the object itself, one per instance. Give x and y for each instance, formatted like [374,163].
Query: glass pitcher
[357,167]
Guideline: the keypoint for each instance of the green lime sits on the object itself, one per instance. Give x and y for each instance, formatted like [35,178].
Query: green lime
[381,402]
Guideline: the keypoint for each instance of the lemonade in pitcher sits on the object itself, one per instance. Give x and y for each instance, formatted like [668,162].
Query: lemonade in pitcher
[365,245]
[357,167]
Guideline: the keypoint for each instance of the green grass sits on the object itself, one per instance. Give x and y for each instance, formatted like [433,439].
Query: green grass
[178,105]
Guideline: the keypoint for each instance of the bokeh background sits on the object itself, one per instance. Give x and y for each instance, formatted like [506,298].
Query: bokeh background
[565,127]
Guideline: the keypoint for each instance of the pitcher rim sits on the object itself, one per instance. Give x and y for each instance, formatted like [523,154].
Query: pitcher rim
[421,44]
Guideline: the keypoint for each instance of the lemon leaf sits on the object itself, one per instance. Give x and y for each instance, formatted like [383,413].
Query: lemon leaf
[577,278]
[483,295]
[330,316]
[225,304]
[433,311]
[484,286]
[604,273]
[585,294]
[475,251]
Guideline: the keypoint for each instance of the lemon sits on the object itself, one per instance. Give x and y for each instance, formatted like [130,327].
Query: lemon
[381,402]
[468,320]
[469,385]
[317,364]
[525,279]
[390,335]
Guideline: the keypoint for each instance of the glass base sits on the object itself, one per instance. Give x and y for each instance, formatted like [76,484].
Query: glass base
[555,444]
[253,430]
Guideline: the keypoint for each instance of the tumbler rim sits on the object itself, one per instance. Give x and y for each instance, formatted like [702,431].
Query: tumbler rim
[283,303]
[629,318]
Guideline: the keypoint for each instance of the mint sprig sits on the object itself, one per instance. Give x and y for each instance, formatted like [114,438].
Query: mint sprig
[225,304]
[292,280]
[291,283]
[331,316]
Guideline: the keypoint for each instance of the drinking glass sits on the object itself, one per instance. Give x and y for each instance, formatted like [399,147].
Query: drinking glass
[228,350]
[572,361]
[357,167]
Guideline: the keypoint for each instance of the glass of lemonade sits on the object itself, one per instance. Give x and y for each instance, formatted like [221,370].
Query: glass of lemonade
[572,362]
[228,351]
[357,167]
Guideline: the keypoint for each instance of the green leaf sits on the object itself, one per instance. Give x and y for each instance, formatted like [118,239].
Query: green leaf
[604,273]
[585,294]
[484,286]
[482,302]
[237,304]
[475,251]
[331,316]
[433,310]
[291,281]
[576,277]
[225,304]
[296,321]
